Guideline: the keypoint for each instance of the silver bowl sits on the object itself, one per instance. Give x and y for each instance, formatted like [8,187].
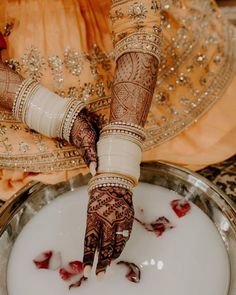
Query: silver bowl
[27,202]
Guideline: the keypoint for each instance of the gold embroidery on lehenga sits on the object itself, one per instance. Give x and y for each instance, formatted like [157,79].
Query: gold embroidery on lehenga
[33,64]
[73,61]
[55,63]
[138,35]
[187,50]
[14,64]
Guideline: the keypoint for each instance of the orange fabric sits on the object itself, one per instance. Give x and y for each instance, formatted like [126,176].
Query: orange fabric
[11,180]
[129,16]
[210,140]
[51,26]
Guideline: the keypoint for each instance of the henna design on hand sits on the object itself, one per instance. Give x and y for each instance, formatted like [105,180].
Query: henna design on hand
[133,88]
[84,137]
[110,210]
[9,84]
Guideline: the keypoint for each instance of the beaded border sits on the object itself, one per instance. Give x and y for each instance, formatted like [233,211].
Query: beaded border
[23,94]
[107,180]
[126,128]
[31,92]
[139,42]
[72,110]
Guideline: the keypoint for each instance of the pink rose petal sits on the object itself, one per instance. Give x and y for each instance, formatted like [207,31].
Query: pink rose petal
[181,207]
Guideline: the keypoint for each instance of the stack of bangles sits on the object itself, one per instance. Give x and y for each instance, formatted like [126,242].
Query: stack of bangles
[44,111]
[119,156]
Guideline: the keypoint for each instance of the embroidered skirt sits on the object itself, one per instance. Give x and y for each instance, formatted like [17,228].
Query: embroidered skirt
[67,46]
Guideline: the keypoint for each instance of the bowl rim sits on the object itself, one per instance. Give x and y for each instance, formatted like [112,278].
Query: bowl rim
[10,205]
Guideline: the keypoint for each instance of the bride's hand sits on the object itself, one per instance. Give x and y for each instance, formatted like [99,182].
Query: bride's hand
[110,213]
[83,134]
[84,137]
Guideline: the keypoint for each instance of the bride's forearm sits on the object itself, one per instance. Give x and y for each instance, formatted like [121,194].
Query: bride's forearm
[133,87]
[9,84]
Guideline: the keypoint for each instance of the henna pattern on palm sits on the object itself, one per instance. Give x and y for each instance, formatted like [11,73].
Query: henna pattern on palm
[133,88]
[84,137]
[9,84]
[110,210]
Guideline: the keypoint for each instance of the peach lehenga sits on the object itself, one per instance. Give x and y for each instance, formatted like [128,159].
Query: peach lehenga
[67,46]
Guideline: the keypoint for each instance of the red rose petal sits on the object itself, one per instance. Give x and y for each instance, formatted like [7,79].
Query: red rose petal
[73,268]
[42,260]
[181,207]
[77,266]
[134,273]
[3,44]
[161,225]
[65,274]
[158,227]
[78,283]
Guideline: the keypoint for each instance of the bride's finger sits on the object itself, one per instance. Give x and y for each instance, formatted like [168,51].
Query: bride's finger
[89,154]
[91,241]
[106,249]
[122,235]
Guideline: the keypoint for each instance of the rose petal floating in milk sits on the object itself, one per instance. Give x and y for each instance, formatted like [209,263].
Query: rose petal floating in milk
[134,273]
[72,269]
[48,260]
[159,259]
[158,227]
[161,225]
[181,207]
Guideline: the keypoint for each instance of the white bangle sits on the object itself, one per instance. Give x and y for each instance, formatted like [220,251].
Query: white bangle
[118,146]
[44,111]
[119,156]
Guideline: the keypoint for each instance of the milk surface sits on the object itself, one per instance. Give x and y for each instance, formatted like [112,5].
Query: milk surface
[190,259]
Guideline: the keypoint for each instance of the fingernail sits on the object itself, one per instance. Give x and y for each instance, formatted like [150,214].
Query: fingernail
[92,168]
[100,276]
[87,271]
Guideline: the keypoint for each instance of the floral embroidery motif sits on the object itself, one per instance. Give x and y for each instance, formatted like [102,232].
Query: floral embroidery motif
[73,61]
[137,12]
[33,64]
[56,65]
[14,65]
[23,147]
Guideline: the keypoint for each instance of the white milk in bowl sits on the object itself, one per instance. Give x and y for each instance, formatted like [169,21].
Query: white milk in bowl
[189,259]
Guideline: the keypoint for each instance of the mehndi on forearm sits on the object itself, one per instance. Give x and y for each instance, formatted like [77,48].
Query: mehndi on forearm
[133,88]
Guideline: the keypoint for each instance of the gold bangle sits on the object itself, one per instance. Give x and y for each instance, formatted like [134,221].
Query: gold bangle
[109,180]
[130,178]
